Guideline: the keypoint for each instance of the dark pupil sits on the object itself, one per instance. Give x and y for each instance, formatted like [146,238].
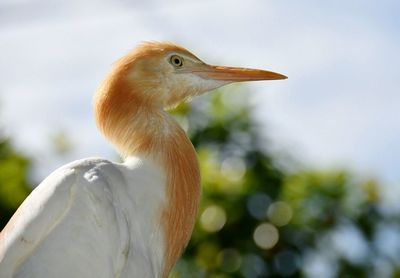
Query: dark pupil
[177,61]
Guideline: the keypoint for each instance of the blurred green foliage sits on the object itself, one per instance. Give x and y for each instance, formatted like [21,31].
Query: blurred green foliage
[14,182]
[256,218]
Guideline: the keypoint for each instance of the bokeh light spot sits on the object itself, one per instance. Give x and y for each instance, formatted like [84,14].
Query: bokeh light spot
[233,168]
[253,266]
[257,205]
[213,218]
[266,235]
[280,213]
[286,263]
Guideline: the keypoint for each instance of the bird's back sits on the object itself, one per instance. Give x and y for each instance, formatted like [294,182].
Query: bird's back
[90,218]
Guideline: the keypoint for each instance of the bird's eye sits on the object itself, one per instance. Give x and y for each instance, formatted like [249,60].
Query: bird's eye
[176,61]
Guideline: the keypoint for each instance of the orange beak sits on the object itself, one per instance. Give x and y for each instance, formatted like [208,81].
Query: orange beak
[235,74]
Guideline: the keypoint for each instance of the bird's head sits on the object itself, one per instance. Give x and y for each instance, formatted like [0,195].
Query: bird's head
[129,104]
[164,74]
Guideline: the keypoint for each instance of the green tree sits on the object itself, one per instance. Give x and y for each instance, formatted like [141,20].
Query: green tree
[257,220]
[14,181]
[239,183]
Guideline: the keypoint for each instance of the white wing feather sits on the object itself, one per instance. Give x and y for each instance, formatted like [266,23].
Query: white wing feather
[90,218]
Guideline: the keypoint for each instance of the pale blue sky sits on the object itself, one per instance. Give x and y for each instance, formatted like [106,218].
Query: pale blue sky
[339,107]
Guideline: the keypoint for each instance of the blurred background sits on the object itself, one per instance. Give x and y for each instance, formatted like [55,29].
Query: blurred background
[300,177]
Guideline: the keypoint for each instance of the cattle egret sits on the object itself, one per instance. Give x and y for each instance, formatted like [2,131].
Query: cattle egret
[96,218]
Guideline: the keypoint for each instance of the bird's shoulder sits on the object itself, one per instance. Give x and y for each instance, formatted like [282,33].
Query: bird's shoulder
[64,181]
[51,196]
[89,198]
[74,192]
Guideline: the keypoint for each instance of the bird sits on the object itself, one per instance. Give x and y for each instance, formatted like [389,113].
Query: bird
[98,218]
